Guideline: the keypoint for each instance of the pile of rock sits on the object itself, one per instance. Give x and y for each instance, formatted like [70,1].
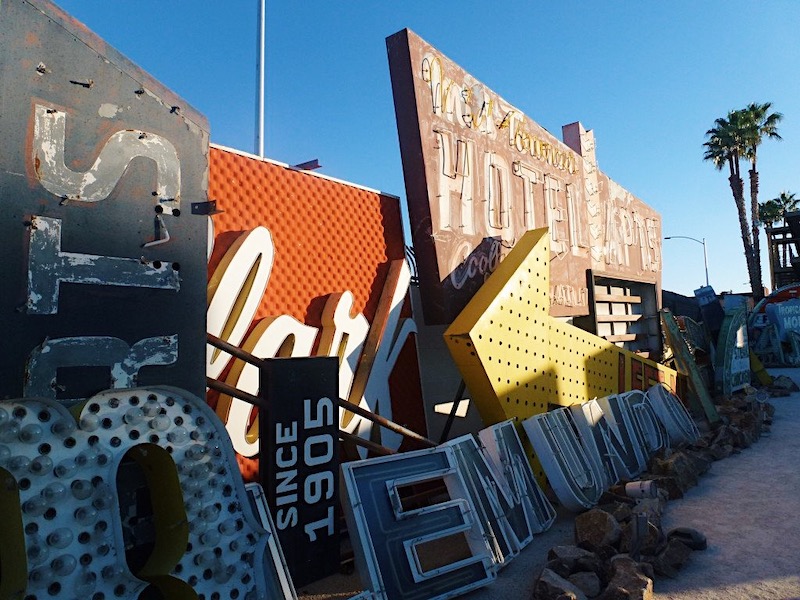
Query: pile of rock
[619,549]
[620,546]
[743,420]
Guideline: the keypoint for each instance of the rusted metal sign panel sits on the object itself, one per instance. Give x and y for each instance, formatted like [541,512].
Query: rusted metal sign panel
[479,173]
[104,262]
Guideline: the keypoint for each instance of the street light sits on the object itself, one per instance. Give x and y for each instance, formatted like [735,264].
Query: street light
[703,242]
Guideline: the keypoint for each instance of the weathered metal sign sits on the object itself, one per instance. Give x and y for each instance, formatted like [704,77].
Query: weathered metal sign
[586,448]
[518,361]
[408,548]
[73,529]
[324,277]
[687,366]
[300,461]
[104,270]
[479,173]
[785,316]
[711,309]
[732,369]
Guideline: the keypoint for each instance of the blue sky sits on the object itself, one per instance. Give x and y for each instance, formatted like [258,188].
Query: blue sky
[648,77]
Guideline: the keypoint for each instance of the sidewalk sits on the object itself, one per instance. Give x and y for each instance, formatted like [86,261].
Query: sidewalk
[748,506]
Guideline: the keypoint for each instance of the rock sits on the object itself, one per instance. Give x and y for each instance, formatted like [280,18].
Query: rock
[628,582]
[672,558]
[705,455]
[782,382]
[700,462]
[650,542]
[595,565]
[551,586]
[606,552]
[559,567]
[723,437]
[647,569]
[722,451]
[738,437]
[569,555]
[596,528]
[587,582]
[691,537]
[621,511]
[669,485]
[681,467]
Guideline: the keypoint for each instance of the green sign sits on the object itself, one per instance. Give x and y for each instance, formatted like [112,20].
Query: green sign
[732,365]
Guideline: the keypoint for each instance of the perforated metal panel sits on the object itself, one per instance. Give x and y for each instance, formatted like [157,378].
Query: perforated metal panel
[518,361]
[181,525]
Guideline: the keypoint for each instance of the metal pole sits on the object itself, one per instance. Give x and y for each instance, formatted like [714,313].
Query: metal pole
[354,408]
[262,18]
[234,350]
[703,241]
[234,392]
[384,422]
[225,388]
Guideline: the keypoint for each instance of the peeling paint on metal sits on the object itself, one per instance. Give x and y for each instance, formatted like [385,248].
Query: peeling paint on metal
[109,111]
[102,177]
[48,266]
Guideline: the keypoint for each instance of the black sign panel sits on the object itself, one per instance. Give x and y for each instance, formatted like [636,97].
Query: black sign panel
[103,263]
[299,461]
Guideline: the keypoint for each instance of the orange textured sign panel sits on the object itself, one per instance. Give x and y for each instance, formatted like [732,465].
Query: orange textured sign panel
[328,236]
[302,266]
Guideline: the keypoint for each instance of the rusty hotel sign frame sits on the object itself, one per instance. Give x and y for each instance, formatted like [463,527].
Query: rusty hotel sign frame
[479,173]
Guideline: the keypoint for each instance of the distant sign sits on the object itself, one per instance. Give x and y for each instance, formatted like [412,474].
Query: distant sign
[479,173]
[711,309]
[104,264]
[785,316]
[732,369]
[300,461]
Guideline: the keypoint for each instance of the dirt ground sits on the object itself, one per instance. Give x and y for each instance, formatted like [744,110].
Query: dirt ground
[747,505]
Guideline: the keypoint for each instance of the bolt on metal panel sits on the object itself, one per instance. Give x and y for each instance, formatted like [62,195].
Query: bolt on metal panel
[101,164]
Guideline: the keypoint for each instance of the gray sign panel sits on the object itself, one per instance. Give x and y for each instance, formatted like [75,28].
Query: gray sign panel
[104,262]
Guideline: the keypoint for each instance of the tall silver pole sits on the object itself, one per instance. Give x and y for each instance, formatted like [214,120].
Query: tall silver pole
[262,18]
[703,241]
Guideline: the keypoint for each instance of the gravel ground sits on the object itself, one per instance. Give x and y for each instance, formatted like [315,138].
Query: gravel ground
[747,505]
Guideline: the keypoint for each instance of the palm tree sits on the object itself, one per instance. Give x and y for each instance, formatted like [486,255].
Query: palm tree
[785,203]
[769,212]
[758,124]
[731,139]
[724,147]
